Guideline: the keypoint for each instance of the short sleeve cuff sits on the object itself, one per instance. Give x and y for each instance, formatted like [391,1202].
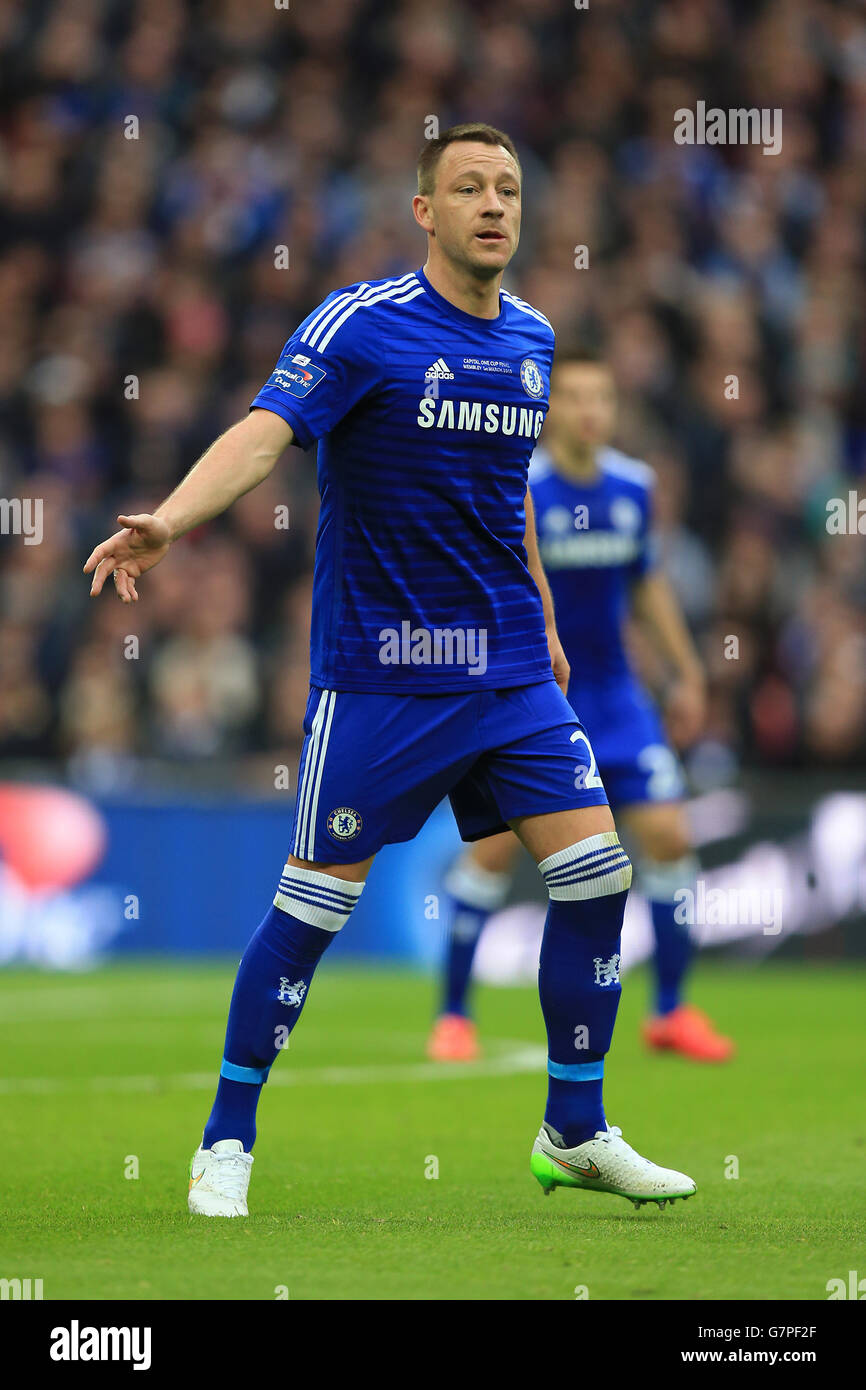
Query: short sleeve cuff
[265,401]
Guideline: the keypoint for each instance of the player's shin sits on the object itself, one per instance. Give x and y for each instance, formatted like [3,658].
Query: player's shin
[271,987]
[669,887]
[472,894]
[578,979]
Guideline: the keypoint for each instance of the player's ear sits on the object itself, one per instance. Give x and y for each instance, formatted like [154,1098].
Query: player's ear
[421,211]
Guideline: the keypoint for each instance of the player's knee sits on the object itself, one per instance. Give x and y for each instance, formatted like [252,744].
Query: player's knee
[664,880]
[483,888]
[319,899]
[592,868]
[669,843]
[662,833]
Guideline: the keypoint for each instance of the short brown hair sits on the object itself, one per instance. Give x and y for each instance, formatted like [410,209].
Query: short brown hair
[580,353]
[475,131]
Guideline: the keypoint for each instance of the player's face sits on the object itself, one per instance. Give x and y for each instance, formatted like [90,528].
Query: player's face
[475,206]
[582,403]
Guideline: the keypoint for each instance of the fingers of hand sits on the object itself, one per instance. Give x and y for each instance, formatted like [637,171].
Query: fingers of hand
[125,586]
[93,559]
[104,554]
[103,569]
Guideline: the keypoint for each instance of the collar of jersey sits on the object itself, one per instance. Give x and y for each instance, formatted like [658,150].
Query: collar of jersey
[460,314]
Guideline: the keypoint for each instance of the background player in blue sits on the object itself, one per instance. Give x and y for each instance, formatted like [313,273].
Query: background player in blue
[435,664]
[593,518]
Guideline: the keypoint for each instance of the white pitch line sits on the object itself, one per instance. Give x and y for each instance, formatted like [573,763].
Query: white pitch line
[528,1058]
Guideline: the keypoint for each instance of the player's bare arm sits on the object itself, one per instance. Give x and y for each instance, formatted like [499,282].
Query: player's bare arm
[561,668]
[655,604]
[235,463]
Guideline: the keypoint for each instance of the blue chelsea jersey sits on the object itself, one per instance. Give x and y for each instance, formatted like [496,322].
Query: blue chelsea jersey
[594,540]
[426,418]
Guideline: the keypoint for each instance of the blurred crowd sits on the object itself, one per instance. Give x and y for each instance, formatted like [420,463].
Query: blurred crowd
[154,154]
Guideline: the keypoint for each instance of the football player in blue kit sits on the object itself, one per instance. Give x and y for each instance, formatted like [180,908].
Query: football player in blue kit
[593,517]
[436,669]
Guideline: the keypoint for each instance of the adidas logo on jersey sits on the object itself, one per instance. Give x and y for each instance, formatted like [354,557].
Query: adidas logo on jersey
[440,371]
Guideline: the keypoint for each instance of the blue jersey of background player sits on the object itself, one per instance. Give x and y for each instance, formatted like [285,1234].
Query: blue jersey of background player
[595,542]
[593,515]
[436,666]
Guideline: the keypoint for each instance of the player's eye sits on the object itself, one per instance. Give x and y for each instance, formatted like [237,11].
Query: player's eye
[512,192]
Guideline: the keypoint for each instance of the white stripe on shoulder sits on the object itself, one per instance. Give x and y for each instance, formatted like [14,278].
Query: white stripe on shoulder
[330,305]
[395,296]
[526,308]
[333,306]
[635,470]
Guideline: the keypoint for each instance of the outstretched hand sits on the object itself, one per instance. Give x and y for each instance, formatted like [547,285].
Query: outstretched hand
[142,543]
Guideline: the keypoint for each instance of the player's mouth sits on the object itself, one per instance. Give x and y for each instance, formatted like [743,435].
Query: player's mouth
[490,234]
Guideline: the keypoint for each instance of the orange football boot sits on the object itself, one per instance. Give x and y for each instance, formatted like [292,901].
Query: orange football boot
[453,1039]
[688,1031]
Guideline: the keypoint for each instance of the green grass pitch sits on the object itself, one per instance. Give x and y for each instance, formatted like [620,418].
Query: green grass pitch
[112,1072]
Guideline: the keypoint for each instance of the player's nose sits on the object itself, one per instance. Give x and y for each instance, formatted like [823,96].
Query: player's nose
[492,204]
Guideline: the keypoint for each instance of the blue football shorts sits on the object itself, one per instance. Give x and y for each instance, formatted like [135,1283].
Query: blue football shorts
[629,741]
[374,766]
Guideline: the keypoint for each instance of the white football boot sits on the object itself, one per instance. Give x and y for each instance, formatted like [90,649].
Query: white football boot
[606,1163]
[219,1178]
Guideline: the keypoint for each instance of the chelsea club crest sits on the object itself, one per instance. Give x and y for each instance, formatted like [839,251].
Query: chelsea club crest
[531,378]
[344,823]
